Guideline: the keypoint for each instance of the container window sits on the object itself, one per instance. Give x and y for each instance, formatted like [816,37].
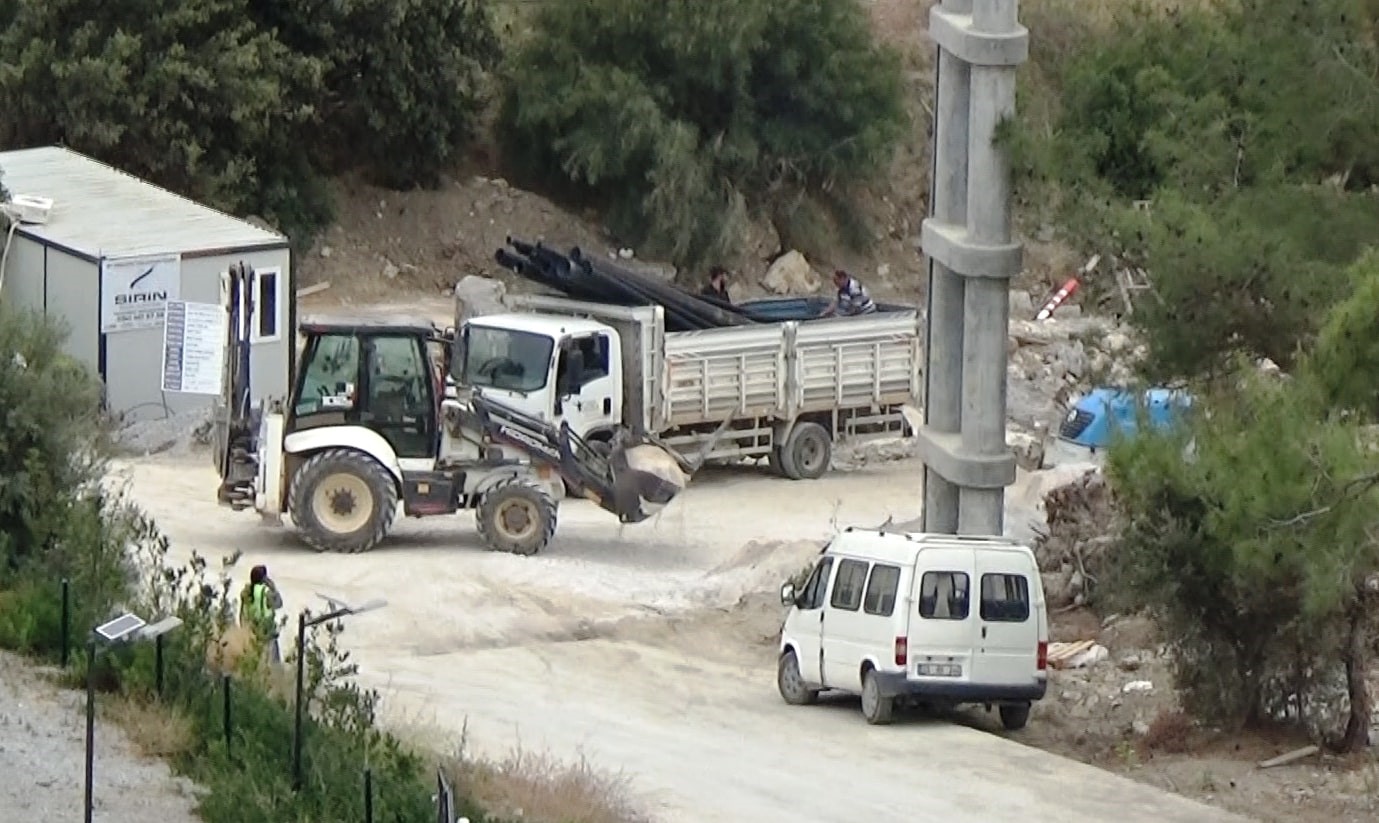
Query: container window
[267,304]
[1005,598]
[847,587]
[881,587]
[943,596]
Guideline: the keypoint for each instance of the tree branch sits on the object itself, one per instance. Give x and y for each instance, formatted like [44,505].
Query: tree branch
[1351,489]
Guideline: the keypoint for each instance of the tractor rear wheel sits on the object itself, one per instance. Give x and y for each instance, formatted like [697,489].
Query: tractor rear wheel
[516,516]
[342,500]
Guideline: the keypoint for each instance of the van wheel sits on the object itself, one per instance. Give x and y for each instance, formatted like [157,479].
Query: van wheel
[791,684]
[876,707]
[1014,716]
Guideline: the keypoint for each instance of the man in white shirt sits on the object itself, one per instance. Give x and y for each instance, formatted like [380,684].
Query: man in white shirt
[852,298]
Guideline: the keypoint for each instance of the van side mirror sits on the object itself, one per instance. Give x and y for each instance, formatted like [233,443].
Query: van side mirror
[787,594]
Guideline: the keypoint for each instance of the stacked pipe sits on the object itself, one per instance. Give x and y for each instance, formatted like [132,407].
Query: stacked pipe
[602,281]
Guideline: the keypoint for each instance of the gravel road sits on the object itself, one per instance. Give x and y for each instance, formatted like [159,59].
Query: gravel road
[42,749]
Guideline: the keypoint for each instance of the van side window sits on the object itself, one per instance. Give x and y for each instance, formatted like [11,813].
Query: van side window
[943,596]
[1005,598]
[813,596]
[847,589]
[880,599]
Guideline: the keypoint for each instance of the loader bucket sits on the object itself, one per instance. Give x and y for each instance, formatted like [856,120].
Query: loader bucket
[647,475]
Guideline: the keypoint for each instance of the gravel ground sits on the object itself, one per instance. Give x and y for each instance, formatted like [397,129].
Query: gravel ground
[42,732]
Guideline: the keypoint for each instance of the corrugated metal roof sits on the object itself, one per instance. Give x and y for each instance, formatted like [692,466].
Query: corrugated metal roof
[101,211]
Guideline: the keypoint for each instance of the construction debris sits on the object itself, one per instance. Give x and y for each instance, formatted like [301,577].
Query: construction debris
[1079,655]
[1290,757]
[1080,527]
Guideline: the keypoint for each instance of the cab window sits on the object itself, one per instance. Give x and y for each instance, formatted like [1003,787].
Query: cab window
[506,359]
[328,381]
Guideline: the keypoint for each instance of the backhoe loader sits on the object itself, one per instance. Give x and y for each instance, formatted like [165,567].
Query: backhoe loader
[388,410]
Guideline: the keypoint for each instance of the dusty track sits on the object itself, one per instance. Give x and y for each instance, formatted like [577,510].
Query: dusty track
[647,648]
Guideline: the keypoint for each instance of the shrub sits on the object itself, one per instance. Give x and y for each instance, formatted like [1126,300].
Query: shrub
[246,105]
[1244,125]
[1248,538]
[683,118]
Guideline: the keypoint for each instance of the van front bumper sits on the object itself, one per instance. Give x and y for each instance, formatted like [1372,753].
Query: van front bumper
[896,684]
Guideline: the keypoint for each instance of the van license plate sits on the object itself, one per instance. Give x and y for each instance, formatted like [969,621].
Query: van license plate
[938,670]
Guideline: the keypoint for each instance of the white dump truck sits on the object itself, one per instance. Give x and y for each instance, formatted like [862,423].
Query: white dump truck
[790,389]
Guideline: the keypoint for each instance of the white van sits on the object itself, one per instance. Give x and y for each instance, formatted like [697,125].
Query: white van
[889,616]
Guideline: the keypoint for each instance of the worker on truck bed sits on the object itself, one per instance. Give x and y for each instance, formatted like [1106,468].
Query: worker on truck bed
[852,297]
[718,285]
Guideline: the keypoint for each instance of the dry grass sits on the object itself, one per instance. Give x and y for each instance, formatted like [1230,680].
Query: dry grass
[1170,733]
[155,730]
[524,785]
[543,789]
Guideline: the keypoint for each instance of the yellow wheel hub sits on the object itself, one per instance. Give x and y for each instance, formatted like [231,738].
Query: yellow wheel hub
[342,503]
[517,519]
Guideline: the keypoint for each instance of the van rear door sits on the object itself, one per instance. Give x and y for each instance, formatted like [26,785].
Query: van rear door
[1008,624]
[941,620]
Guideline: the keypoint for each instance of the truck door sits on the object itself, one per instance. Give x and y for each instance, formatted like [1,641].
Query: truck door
[1008,639]
[587,389]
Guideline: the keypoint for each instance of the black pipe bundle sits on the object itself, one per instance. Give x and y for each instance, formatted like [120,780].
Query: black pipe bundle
[595,280]
[601,281]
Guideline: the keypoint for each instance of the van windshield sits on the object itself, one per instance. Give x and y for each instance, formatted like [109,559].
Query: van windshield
[507,359]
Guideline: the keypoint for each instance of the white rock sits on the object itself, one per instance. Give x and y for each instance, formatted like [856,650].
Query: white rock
[480,295]
[791,274]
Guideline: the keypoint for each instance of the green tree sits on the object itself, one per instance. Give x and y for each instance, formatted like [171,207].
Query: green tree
[404,81]
[247,105]
[684,117]
[1245,127]
[1251,540]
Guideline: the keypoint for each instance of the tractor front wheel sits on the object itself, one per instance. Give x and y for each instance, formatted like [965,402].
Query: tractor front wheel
[342,501]
[516,516]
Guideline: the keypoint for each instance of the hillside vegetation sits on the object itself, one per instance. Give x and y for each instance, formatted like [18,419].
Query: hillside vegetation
[1227,149]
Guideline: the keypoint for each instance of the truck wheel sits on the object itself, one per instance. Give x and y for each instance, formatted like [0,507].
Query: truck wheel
[342,501]
[791,685]
[516,516]
[876,707]
[1014,716]
[807,452]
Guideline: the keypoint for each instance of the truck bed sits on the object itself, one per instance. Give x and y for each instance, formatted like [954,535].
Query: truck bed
[775,371]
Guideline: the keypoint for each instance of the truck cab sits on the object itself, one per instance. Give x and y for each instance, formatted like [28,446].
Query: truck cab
[555,369]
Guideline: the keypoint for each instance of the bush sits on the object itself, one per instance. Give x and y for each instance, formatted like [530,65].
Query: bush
[684,118]
[1214,114]
[1248,538]
[246,105]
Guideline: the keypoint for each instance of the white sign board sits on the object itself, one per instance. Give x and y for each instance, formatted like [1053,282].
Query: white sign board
[135,291]
[193,348]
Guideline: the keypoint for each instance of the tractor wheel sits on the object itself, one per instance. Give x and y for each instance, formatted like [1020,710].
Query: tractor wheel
[342,501]
[807,452]
[516,516]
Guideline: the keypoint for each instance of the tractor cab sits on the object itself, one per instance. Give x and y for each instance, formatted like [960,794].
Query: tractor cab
[384,374]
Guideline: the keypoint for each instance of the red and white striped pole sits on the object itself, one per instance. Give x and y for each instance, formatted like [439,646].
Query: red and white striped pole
[1046,311]
[1059,297]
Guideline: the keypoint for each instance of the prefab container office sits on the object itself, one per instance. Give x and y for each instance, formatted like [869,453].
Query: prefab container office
[113,251]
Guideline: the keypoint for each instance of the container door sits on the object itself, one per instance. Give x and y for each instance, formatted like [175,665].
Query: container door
[1008,642]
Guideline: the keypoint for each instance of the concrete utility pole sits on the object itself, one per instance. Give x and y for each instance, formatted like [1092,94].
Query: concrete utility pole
[971,260]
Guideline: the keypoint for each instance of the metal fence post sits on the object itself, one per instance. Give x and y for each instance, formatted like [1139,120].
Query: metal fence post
[66,630]
[225,714]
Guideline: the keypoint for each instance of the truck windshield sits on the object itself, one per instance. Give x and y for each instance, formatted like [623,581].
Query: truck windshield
[507,359]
